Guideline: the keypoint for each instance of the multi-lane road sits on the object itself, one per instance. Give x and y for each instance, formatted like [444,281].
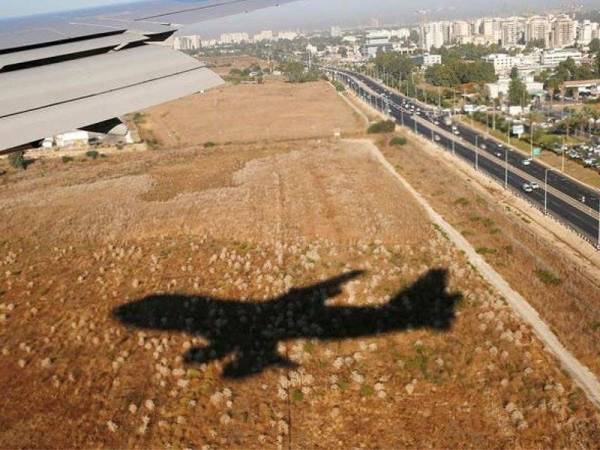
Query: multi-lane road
[571,203]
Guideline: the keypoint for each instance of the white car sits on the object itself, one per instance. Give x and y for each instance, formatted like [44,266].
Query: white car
[527,188]
[526,162]
[483,146]
[437,138]
[534,185]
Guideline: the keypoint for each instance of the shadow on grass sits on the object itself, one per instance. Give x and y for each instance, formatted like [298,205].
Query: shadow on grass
[249,331]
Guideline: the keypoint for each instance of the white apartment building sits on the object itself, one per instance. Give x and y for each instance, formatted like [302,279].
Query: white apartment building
[401,33]
[289,35]
[234,38]
[510,32]
[564,32]
[487,27]
[502,62]
[538,28]
[265,35]
[187,43]
[427,60]
[552,58]
[585,32]
[461,29]
[432,35]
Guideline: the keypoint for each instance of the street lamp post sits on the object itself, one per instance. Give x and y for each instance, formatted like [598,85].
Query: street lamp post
[476,152]
[505,168]
[531,127]
[546,190]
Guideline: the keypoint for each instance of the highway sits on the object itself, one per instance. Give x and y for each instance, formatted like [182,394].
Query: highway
[571,203]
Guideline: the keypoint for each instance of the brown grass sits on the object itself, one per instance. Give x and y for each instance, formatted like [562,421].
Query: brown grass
[246,223]
[565,297]
[245,113]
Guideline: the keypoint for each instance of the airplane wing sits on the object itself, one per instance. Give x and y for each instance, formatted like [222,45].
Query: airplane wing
[71,70]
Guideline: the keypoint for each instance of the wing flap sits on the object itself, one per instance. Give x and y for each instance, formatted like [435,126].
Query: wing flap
[99,99]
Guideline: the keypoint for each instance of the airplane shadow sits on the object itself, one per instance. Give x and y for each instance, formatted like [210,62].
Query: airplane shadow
[249,331]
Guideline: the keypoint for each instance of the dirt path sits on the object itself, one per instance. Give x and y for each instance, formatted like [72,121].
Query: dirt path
[581,374]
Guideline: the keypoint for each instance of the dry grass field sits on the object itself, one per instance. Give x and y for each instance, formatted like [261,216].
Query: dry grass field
[272,111]
[565,296]
[259,295]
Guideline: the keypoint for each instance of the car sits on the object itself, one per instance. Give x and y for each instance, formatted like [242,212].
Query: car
[483,146]
[526,162]
[500,145]
[498,154]
[437,138]
[436,123]
[534,185]
[527,188]
[456,132]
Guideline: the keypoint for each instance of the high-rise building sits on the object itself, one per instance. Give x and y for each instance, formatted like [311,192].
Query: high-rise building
[265,35]
[432,35]
[564,31]
[585,32]
[187,43]
[487,27]
[234,38]
[461,29]
[510,32]
[538,29]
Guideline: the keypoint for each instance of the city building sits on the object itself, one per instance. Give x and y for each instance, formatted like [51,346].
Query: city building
[585,32]
[234,38]
[432,35]
[187,43]
[427,59]
[287,35]
[538,29]
[461,29]
[265,35]
[376,41]
[552,58]
[564,31]
[510,32]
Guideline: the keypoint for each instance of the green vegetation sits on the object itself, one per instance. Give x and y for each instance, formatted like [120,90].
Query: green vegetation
[338,86]
[384,126]
[297,395]
[547,277]
[366,391]
[251,73]
[209,144]
[92,154]
[296,72]
[517,91]
[17,160]
[395,65]
[67,159]
[486,251]
[398,141]
[456,71]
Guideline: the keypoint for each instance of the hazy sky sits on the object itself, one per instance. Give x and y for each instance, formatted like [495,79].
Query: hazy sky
[317,13]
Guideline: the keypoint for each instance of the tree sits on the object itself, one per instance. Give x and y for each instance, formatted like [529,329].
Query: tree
[595,45]
[394,64]
[517,91]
